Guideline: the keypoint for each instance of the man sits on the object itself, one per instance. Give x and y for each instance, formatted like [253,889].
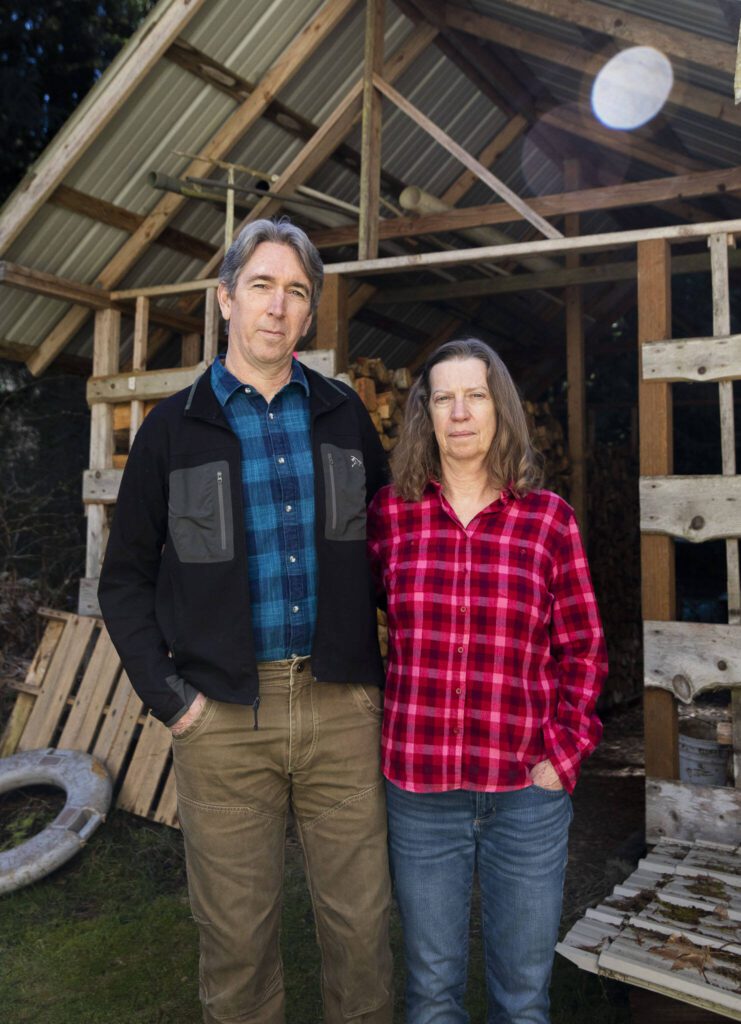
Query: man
[236,590]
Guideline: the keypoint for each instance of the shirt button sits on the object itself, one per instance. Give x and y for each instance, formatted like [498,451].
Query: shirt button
[248,391]
[463,608]
[281,460]
[271,416]
[460,650]
[458,690]
[291,559]
[289,508]
[294,609]
[456,732]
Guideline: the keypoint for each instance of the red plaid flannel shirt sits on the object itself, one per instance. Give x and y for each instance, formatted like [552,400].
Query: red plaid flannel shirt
[496,651]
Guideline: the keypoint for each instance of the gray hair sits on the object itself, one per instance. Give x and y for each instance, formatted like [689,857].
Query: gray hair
[280,232]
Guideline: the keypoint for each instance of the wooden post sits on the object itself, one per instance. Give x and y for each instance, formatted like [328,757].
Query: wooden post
[139,360]
[658,590]
[370,150]
[106,351]
[575,375]
[722,328]
[332,324]
[211,327]
[190,349]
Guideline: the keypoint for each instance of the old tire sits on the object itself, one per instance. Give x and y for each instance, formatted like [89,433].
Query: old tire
[88,788]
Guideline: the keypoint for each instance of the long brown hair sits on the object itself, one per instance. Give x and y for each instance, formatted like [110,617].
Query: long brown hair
[511,461]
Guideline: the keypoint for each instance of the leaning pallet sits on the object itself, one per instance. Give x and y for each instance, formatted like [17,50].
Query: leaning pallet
[76,696]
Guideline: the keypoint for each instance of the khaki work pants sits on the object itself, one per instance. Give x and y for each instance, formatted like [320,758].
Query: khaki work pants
[316,751]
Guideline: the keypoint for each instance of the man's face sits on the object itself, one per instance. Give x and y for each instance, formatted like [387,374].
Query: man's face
[270,308]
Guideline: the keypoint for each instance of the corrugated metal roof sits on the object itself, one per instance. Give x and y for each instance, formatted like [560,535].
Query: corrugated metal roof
[173,109]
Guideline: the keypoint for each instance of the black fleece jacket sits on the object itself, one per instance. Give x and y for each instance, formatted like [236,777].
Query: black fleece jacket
[174,590]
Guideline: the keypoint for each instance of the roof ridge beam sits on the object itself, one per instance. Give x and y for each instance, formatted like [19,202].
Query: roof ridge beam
[132,64]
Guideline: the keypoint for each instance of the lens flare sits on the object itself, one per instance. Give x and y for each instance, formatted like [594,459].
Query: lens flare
[632,87]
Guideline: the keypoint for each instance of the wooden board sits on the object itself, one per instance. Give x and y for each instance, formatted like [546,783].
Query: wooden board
[145,769]
[688,658]
[696,508]
[693,359]
[92,696]
[101,485]
[689,812]
[61,675]
[34,678]
[144,384]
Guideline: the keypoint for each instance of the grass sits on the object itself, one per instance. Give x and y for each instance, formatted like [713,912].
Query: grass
[108,938]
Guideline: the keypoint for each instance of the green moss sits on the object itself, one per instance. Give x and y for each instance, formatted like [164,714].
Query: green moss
[711,888]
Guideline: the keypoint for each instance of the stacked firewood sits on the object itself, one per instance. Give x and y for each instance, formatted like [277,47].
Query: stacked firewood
[546,434]
[384,393]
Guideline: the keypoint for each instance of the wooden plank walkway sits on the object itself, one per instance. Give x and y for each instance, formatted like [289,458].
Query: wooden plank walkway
[673,927]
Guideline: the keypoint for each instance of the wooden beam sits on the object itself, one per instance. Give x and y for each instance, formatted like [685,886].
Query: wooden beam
[576,396]
[658,587]
[339,123]
[13,275]
[441,137]
[128,69]
[585,125]
[100,210]
[239,121]
[332,321]
[638,31]
[487,157]
[679,233]
[370,173]
[105,389]
[286,118]
[607,197]
[684,94]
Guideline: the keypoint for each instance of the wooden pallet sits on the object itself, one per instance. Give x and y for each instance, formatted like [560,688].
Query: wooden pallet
[76,696]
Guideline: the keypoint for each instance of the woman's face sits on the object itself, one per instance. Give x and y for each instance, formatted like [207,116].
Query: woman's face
[462,410]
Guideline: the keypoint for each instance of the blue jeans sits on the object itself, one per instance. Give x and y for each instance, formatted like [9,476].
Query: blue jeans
[518,842]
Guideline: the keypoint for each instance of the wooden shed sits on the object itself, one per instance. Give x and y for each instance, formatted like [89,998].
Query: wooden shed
[457,168]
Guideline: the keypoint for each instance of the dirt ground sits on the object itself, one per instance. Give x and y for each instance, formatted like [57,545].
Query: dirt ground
[608,813]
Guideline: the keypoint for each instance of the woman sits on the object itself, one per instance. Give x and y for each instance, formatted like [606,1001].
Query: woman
[496,657]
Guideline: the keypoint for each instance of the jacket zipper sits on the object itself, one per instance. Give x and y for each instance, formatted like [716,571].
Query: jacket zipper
[332,490]
[222,516]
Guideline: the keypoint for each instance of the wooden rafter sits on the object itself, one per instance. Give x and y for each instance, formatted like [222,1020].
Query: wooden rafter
[114,216]
[637,30]
[683,94]
[132,65]
[494,183]
[239,121]
[655,190]
[284,117]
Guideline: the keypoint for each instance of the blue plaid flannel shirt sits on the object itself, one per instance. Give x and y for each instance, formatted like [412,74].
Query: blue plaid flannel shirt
[278,490]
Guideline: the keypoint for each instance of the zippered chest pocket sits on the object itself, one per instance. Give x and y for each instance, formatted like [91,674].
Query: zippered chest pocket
[200,513]
[344,489]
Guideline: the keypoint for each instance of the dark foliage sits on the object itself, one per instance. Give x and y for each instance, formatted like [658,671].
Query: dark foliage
[44,437]
[51,54]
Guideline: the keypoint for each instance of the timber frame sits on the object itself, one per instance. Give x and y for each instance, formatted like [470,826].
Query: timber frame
[542,277]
